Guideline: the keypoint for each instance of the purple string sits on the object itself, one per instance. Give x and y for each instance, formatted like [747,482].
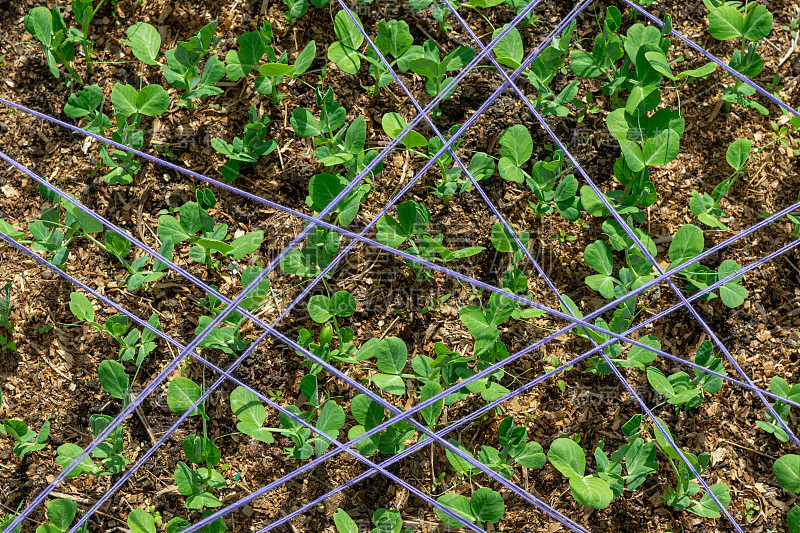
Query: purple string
[42,261]
[218,319]
[512,233]
[462,384]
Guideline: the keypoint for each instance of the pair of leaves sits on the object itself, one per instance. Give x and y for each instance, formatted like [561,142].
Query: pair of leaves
[152,100]
[485,505]
[726,22]
[569,458]
[321,308]
[391,356]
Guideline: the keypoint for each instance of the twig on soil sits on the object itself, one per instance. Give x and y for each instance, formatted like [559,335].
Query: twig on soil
[386,331]
[145,423]
[140,210]
[429,36]
[792,48]
[749,449]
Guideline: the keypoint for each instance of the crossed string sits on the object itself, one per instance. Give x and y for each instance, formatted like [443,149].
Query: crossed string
[673,272]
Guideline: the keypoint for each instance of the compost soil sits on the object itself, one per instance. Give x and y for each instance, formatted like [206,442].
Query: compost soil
[52,374]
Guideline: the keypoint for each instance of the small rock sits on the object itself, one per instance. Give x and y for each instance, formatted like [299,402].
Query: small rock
[3,127]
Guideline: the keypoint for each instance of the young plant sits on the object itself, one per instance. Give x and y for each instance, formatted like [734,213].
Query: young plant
[787,472]
[680,496]
[47,25]
[61,513]
[88,104]
[338,144]
[135,345]
[706,208]
[514,449]
[198,484]
[298,8]
[50,234]
[6,341]
[253,46]
[412,220]
[394,40]
[206,238]
[182,68]
[385,520]
[481,166]
[245,151]
[28,441]
[751,23]
[550,181]
[779,386]
[485,505]
[227,336]
[129,107]
[110,453]
[688,243]
[368,414]
[330,418]
[591,490]
[684,393]
[434,68]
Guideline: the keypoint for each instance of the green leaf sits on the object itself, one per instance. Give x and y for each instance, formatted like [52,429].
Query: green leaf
[246,244]
[331,420]
[487,505]
[725,23]
[510,50]
[151,100]
[81,307]
[457,503]
[687,244]
[247,407]
[639,357]
[584,65]
[516,144]
[62,512]
[567,457]
[145,41]
[757,23]
[347,31]
[140,521]
[738,153]
[343,522]
[787,472]
[343,304]
[660,63]
[591,491]
[732,294]
[793,519]
[642,100]
[431,413]
[598,256]
[305,58]
[170,229]
[251,50]
[113,378]
[304,123]
[707,507]
[392,355]
[182,394]
[393,124]
[319,308]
